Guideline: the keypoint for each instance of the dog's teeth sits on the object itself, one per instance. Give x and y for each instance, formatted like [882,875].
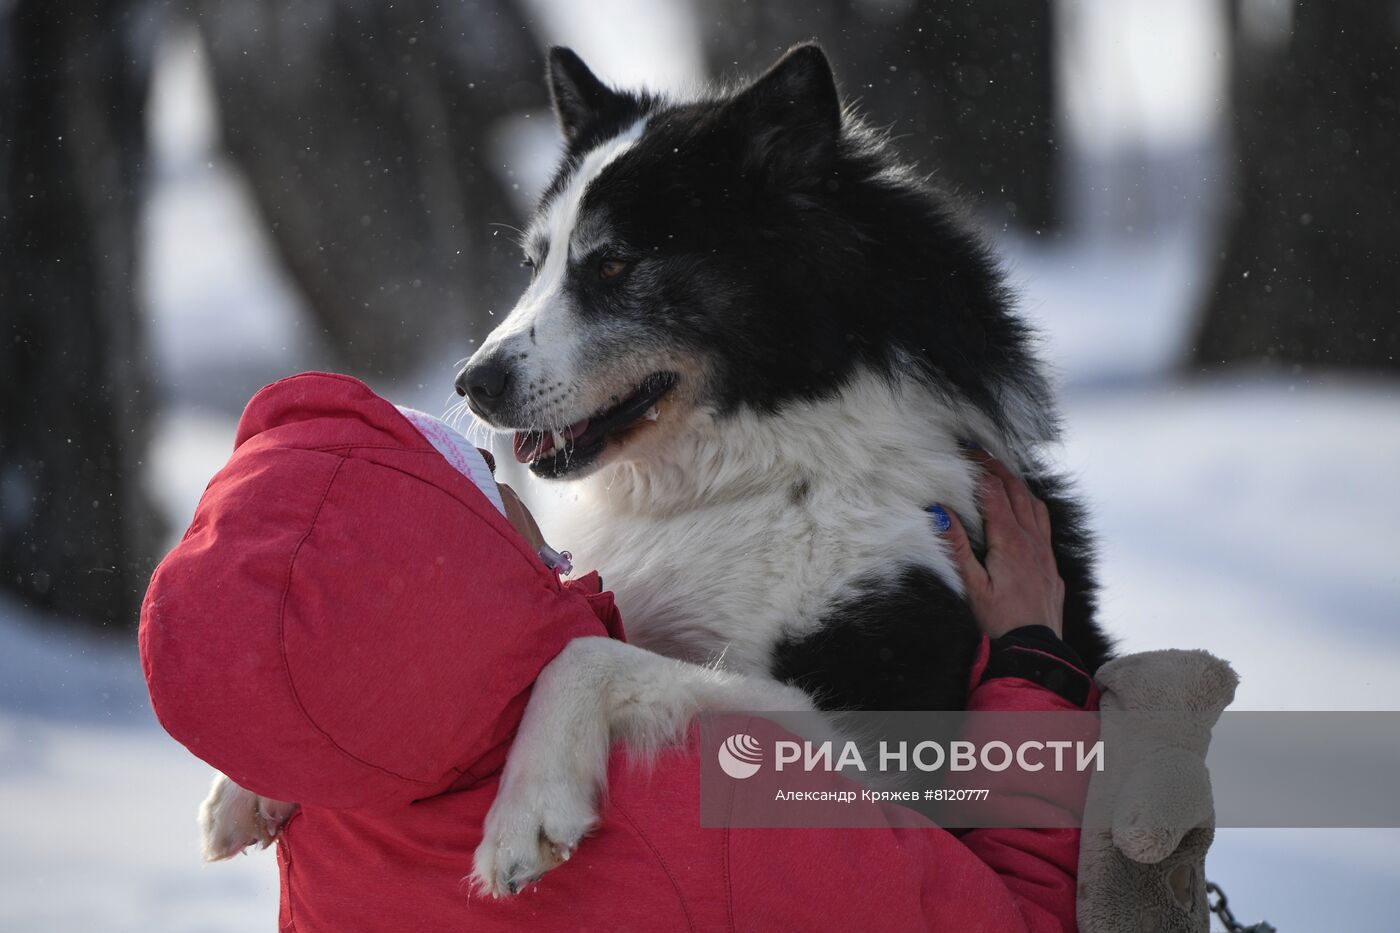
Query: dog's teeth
[652,413]
[558,441]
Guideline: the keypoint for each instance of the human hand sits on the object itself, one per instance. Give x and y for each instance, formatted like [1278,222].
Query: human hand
[1019,583]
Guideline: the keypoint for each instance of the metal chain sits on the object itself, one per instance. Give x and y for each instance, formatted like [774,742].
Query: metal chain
[1221,908]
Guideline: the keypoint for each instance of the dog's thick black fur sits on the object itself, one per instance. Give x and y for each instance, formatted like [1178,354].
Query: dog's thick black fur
[911,645]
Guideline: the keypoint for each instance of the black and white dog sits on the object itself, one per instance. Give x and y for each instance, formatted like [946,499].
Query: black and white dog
[754,339]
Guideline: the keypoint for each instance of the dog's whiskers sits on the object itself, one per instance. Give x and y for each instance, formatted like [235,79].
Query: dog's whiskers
[519,237]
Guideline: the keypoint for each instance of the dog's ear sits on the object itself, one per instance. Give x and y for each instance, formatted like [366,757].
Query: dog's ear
[792,115]
[580,99]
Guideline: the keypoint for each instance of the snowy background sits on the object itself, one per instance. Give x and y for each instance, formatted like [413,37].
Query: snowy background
[1254,516]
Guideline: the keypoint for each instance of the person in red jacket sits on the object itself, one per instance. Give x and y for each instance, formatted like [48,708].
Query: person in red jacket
[353,623]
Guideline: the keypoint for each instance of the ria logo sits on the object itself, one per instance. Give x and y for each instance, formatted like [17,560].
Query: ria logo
[740,756]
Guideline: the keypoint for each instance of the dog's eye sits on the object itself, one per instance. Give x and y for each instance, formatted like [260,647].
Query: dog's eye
[611,268]
[528,263]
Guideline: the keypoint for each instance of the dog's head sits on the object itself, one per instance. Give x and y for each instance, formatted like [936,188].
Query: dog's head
[694,257]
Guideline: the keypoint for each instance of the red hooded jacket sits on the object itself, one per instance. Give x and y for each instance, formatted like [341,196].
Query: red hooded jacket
[350,624]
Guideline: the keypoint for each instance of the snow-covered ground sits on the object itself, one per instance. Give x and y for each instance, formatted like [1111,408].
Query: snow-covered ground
[97,804]
[1254,515]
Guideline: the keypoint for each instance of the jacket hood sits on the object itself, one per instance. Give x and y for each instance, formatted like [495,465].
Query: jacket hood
[348,606]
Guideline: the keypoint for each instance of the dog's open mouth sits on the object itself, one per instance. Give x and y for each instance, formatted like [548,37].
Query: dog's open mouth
[552,454]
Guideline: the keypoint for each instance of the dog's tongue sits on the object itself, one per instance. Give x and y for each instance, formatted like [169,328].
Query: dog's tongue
[525,445]
[531,445]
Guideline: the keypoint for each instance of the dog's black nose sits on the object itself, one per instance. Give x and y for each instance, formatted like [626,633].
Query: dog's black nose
[485,384]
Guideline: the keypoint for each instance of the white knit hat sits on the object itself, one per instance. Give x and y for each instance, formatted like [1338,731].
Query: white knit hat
[458,451]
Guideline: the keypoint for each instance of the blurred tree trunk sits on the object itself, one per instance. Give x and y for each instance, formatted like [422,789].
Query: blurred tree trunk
[76,531]
[363,129]
[967,88]
[1310,271]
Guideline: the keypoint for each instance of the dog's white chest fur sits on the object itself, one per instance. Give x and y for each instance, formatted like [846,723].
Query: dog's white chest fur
[756,524]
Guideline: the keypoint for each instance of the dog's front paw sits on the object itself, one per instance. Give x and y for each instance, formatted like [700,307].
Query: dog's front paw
[231,819]
[534,825]
[228,820]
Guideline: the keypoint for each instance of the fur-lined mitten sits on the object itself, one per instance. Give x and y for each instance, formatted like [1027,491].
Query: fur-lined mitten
[1142,857]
